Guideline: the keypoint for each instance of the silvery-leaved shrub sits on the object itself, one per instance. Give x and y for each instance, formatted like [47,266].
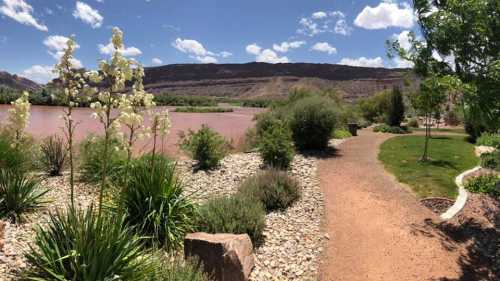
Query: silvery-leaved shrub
[206,146]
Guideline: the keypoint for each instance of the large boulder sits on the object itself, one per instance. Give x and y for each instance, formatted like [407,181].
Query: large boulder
[226,257]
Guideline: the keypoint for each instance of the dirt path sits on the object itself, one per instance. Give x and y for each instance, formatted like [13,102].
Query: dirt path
[374,222]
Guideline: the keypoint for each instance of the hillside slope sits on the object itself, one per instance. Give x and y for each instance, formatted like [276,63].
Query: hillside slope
[259,80]
[16,82]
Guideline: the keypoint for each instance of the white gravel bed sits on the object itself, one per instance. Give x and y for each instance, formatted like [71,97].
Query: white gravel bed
[293,238]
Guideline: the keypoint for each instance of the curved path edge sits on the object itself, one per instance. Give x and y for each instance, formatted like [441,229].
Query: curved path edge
[462,195]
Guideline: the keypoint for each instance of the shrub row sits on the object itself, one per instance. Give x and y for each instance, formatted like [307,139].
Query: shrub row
[392,130]
[196,109]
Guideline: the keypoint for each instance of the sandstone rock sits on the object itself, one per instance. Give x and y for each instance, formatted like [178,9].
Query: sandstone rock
[227,257]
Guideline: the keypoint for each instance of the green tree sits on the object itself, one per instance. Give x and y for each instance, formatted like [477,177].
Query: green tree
[428,101]
[461,38]
[396,108]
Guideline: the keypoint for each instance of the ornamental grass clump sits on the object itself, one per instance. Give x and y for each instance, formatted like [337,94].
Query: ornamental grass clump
[177,269]
[19,194]
[236,214]
[206,146]
[53,155]
[276,190]
[154,204]
[84,245]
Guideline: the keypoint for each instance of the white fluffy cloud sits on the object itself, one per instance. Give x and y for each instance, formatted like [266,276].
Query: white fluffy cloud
[323,22]
[225,54]
[386,14]
[109,49]
[253,49]
[156,61]
[266,55]
[56,44]
[21,12]
[39,73]
[197,51]
[404,41]
[88,15]
[362,61]
[286,46]
[324,47]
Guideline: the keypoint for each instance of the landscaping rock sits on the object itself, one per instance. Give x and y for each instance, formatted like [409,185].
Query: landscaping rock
[227,257]
[479,150]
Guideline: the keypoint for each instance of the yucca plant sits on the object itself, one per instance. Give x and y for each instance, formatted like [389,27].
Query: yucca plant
[153,202]
[80,245]
[19,194]
[53,155]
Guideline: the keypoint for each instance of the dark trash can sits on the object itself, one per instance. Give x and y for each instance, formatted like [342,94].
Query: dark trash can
[353,128]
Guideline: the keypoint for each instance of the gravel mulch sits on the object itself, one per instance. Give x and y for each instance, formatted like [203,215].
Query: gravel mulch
[294,239]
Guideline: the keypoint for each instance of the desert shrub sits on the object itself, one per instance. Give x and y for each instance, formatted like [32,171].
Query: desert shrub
[167,269]
[206,146]
[275,189]
[251,141]
[256,103]
[276,145]
[413,123]
[19,194]
[489,139]
[237,214]
[341,134]
[392,130]
[312,122]
[488,184]
[81,245]
[491,160]
[92,159]
[53,155]
[10,157]
[396,108]
[154,204]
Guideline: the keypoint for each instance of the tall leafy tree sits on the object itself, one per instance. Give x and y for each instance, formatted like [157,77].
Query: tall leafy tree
[461,38]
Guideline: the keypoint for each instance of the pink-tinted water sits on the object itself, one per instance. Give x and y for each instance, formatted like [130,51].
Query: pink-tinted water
[46,121]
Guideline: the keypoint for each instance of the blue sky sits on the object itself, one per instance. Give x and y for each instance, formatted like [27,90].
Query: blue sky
[33,32]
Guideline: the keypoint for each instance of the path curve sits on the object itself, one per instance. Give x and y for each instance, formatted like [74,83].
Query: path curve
[373,221]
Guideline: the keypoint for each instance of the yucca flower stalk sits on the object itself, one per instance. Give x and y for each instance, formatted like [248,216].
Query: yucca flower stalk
[160,127]
[18,118]
[73,84]
[113,75]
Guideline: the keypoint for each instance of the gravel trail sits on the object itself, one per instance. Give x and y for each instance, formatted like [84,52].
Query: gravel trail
[374,223]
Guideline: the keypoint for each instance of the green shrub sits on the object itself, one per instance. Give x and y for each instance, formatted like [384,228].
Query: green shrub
[276,146]
[413,123]
[19,194]
[12,158]
[177,270]
[491,160]
[92,160]
[53,155]
[154,204]
[196,109]
[489,139]
[392,130]
[251,141]
[206,146]
[275,189]
[341,134]
[80,245]
[488,184]
[237,214]
[312,123]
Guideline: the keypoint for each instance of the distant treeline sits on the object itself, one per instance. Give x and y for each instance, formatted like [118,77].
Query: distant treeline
[48,94]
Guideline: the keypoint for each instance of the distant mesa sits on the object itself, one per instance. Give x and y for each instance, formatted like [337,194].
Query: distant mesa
[17,82]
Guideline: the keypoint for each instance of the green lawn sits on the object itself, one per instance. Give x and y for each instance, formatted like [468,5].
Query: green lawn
[449,156]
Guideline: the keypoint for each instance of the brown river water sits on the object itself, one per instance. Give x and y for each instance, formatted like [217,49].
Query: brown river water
[46,121]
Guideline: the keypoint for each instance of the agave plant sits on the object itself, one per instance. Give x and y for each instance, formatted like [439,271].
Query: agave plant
[81,245]
[19,194]
[53,155]
[153,202]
